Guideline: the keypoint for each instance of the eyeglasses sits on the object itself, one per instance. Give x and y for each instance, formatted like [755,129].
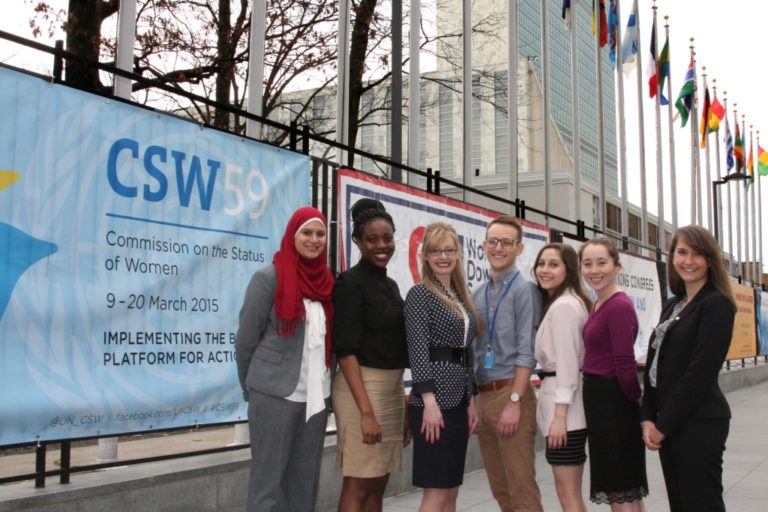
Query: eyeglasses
[506,243]
[449,251]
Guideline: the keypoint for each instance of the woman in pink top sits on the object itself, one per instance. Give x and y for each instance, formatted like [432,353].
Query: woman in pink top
[560,351]
[611,386]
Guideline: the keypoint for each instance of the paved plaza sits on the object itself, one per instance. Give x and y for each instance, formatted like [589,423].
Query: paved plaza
[745,470]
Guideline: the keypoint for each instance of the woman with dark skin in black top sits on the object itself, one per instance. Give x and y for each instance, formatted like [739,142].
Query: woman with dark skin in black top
[369,342]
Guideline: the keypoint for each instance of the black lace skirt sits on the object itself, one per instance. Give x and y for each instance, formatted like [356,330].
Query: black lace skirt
[615,438]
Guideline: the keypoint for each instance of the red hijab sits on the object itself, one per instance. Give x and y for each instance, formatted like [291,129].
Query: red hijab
[298,277]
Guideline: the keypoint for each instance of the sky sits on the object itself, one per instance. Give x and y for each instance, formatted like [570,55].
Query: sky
[729,39]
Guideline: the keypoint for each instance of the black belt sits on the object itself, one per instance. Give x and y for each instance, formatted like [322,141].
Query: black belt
[451,354]
[543,374]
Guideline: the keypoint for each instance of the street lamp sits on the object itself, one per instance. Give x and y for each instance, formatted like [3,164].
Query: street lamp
[738,176]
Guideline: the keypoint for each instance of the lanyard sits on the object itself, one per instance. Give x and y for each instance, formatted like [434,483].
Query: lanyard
[492,324]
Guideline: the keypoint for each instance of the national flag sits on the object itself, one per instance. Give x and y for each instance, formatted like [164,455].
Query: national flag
[603,23]
[653,70]
[728,140]
[716,114]
[685,98]
[629,45]
[567,14]
[663,71]
[750,164]
[762,161]
[611,25]
[738,149]
[653,66]
[704,128]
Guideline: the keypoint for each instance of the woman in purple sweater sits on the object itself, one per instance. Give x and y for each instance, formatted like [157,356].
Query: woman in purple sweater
[611,387]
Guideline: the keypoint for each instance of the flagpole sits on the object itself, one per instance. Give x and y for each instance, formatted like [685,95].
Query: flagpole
[754,209]
[466,96]
[747,269]
[660,242]
[576,129]
[414,85]
[641,129]
[738,204]
[512,99]
[342,82]
[759,212]
[717,216]
[671,134]
[600,135]
[693,146]
[728,191]
[708,167]
[547,107]
[622,128]
[696,157]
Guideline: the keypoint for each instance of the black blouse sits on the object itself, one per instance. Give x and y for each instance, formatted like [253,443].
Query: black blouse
[368,319]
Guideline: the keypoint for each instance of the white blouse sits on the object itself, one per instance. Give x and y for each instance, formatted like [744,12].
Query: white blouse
[314,384]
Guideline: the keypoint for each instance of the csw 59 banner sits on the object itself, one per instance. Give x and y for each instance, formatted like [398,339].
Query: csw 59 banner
[412,210]
[127,238]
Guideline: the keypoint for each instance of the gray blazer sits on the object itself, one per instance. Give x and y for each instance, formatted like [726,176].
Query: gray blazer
[266,362]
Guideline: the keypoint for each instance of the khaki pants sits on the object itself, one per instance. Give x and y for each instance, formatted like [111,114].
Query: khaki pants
[509,461]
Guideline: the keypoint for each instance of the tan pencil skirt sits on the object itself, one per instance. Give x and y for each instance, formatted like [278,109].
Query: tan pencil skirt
[385,391]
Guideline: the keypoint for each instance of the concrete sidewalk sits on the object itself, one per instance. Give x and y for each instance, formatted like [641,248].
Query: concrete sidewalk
[745,472]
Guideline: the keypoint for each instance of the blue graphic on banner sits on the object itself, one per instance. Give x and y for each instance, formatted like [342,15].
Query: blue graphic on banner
[127,238]
[762,323]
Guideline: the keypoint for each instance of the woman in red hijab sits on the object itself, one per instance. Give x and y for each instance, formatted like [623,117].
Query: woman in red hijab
[283,360]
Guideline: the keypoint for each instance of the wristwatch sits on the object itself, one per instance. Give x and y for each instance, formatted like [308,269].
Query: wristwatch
[515,398]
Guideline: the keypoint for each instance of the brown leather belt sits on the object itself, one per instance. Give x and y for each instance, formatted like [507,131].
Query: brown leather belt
[495,385]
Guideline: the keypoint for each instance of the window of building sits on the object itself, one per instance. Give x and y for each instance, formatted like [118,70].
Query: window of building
[634,226]
[653,234]
[613,217]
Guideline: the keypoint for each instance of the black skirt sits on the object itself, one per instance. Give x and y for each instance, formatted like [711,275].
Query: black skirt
[440,465]
[616,449]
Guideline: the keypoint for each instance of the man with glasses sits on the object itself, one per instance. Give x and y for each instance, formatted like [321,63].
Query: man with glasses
[510,306]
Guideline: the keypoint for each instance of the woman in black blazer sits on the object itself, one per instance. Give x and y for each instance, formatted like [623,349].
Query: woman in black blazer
[685,414]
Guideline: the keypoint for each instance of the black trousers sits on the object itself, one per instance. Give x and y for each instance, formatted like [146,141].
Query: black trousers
[692,461]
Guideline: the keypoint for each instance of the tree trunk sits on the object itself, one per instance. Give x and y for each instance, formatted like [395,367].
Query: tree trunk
[358,50]
[84,39]
[226,64]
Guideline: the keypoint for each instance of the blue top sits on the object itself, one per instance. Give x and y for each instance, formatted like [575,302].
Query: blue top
[511,335]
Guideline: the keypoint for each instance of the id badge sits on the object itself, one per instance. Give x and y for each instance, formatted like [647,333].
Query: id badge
[489,359]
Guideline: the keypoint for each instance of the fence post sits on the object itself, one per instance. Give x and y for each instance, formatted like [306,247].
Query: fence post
[305,139]
[429,180]
[334,220]
[315,184]
[522,210]
[66,451]
[437,183]
[293,135]
[58,61]
[625,243]
[40,465]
